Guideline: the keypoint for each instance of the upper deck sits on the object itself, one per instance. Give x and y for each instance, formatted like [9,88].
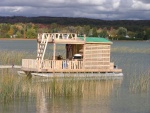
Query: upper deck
[61,38]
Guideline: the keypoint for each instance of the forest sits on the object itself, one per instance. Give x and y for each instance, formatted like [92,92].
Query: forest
[29,27]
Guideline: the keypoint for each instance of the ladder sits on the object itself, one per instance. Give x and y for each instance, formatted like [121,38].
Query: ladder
[42,48]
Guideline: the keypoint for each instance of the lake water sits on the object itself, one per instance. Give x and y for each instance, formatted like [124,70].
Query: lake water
[100,96]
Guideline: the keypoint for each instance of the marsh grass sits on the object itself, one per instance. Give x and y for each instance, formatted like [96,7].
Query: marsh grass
[14,87]
[14,57]
[137,76]
[135,67]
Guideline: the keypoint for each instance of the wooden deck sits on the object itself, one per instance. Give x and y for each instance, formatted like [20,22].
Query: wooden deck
[61,38]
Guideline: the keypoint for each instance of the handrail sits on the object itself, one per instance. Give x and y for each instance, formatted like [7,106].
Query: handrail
[49,64]
[30,63]
[62,64]
[58,36]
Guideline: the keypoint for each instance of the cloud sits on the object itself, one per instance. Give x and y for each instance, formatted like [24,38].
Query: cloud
[145,1]
[140,5]
[100,9]
[99,2]
[116,3]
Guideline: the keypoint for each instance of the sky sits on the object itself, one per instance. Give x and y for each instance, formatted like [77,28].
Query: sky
[96,9]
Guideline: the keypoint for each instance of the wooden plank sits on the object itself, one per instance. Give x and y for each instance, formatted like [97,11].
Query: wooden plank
[102,52]
[54,53]
[72,70]
[97,63]
[96,44]
[68,42]
[86,70]
[100,48]
[96,59]
[9,66]
[84,50]
[97,49]
[96,53]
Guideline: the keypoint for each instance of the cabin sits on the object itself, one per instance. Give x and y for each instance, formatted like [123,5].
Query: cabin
[83,55]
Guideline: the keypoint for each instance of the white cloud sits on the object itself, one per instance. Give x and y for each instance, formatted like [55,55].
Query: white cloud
[138,5]
[101,9]
[116,3]
[144,1]
[97,2]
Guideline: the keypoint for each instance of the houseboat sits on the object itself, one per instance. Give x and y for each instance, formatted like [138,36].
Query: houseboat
[85,56]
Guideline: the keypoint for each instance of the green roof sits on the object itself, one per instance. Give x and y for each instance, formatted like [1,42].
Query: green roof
[95,40]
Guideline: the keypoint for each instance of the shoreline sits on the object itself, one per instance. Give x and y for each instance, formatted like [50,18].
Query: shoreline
[17,39]
[36,39]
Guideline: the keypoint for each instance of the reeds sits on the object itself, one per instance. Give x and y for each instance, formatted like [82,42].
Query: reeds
[13,87]
[14,57]
[135,65]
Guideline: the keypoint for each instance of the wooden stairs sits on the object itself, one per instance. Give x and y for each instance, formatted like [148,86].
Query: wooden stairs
[42,48]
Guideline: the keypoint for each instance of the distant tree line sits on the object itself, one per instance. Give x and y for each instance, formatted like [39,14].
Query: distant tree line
[23,27]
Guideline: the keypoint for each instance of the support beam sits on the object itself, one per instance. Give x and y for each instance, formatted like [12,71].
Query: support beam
[84,51]
[54,54]
[38,47]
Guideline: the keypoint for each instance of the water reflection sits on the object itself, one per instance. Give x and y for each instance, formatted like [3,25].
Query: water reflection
[79,97]
[62,95]
[41,104]
[75,95]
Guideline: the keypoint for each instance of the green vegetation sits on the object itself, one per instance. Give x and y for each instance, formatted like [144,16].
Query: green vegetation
[23,27]
[14,57]
[14,87]
[139,78]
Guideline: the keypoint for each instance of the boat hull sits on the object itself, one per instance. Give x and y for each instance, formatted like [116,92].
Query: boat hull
[52,75]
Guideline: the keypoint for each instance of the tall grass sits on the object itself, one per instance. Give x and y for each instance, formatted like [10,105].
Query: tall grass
[135,67]
[14,57]
[13,87]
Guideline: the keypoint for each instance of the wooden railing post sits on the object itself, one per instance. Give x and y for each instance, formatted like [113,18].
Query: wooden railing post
[54,50]
[84,51]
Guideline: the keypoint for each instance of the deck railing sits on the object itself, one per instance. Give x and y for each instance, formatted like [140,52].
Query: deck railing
[57,36]
[30,63]
[50,64]
[62,64]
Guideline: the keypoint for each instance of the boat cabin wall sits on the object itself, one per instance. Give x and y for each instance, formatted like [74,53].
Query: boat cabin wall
[97,56]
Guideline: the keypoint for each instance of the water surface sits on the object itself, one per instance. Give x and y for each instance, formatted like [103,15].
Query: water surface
[100,96]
